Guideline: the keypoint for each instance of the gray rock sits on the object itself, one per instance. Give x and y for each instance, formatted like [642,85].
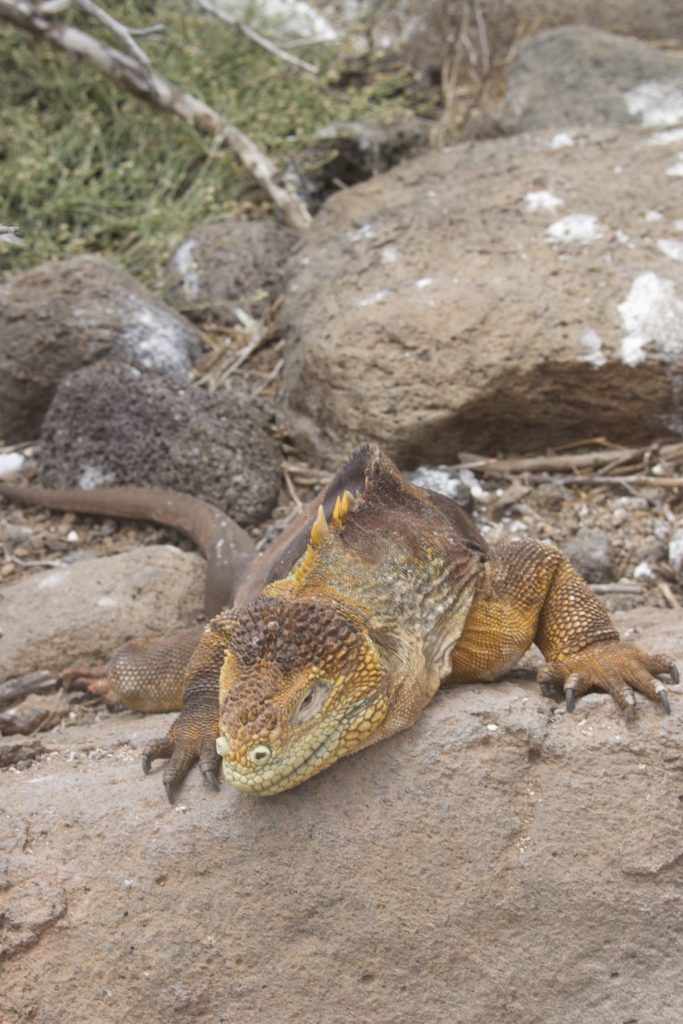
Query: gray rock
[581,76]
[86,609]
[550,496]
[227,264]
[458,872]
[675,552]
[61,316]
[110,424]
[591,553]
[503,295]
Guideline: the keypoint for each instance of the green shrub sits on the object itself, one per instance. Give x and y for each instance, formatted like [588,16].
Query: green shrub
[86,167]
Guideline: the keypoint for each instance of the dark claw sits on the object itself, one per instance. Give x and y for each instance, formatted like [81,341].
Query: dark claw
[570,698]
[673,672]
[546,688]
[664,701]
[630,713]
[210,778]
[146,764]
[170,790]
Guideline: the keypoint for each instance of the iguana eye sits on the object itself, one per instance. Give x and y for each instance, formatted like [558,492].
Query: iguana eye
[311,702]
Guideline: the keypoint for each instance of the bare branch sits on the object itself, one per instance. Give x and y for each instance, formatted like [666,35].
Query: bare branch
[257,38]
[159,92]
[119,31]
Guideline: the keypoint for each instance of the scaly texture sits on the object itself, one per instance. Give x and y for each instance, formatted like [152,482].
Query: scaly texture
[342,633]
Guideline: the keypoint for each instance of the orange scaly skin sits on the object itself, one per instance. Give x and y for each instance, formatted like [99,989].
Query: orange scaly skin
[343,632]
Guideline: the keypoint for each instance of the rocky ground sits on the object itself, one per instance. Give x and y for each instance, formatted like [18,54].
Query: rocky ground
[506,318]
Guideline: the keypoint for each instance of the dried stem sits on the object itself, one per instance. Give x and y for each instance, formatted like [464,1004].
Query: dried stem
[256,37]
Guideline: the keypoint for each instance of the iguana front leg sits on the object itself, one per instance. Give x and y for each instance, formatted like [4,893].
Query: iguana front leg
[532,594]
[192,737]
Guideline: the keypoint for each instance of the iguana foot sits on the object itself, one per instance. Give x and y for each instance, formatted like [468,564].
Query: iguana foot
[185,745]
[92,679]
[616,667]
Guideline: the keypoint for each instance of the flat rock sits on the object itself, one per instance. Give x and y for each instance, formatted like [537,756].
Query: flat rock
[228,264]
[576,75]
[503,295]
[501,861]
[61,316]
[110,424]
[86,609]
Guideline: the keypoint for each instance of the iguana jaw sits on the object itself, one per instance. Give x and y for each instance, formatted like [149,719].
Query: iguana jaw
[290,764]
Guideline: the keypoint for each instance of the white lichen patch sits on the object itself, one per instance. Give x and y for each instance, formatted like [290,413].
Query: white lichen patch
[10,462]
[156,339]
[361,234]
[667,138]
[50,581]
[657,104]
[94,476]
[424,282]
[389,254]
[371,300]
[678,225]
[671,247]
[652,316]
[643,571]
[592,345]
[652,216]
[436,478]
[561,140]
[677,170]
[183,263]
[582,228]
[542,200]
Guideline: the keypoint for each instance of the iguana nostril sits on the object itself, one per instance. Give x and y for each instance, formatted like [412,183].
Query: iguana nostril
[259,753]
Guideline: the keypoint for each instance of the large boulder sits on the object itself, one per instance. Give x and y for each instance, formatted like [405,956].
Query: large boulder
[110,424]
[229,264]
[507,294]
[581,76]
[61,316]
[500,861]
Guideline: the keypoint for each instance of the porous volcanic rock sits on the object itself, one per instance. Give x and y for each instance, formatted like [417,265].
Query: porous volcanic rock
[61,316]
[85,610]
[227,264]
[507,294]
[577,75]
[500,861]
[110,424]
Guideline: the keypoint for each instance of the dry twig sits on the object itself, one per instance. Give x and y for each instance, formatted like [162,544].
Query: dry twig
[256,37]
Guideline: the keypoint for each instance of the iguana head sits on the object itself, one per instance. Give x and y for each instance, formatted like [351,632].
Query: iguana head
[301,686]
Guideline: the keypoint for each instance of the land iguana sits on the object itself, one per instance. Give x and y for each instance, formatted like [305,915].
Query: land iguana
[343,631]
